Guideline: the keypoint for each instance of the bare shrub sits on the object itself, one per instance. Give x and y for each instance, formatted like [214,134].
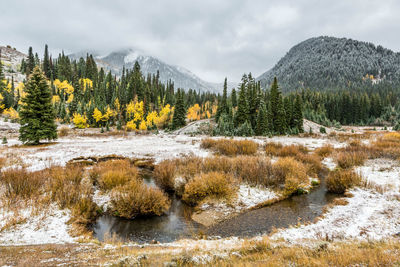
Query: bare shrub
[64,131]
[272,149]
[291,173]
[212,184]
[109,174]
[164,174]
[312,163]
[253,170]
[136,199]
[347,160]
[339,180]
[65,185]
[217,164]
[324,151]
[230,147]
[21,183]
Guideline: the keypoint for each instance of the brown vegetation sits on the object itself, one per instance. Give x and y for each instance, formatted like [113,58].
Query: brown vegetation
[213,184]
[350,159]
[137,199]
[109,174]
[339,180]
[230,147]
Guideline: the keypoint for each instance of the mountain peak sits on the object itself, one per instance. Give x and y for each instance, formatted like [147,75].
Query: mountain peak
[326,62]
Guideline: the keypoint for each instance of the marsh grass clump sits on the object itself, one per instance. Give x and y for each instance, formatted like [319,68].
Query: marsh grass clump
[291,173]
[212,184]
[65,185]
[346,160]
[340,180]
[21,183]
[109,174]
[164,174]
[137,199]
[230,147]
[324,151]
[253,170]
[63,131]
[279,150]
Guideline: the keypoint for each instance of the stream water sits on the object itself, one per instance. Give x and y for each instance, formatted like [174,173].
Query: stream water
[177,222]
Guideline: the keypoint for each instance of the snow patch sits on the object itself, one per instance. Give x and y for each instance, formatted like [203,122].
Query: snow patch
[367,216]
[382,172]
[49,226]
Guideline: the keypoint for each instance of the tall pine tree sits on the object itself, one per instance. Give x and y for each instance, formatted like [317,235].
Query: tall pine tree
[37,114]
[223,105]
[46,62]
[179,118]
[242,113]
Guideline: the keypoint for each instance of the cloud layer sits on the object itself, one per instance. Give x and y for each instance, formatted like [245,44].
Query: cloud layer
[213,39]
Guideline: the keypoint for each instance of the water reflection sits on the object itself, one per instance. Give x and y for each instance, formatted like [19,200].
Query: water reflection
[177,222]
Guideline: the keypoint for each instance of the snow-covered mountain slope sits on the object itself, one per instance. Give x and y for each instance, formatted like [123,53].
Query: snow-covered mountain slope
[181,77]
[11,59]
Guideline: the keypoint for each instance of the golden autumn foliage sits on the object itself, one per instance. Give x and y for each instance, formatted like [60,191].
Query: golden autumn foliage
[131,125]
[63,86]
[80,121]
[100,117]
[86,83]
[2,106]
[135,111]
[142,126]
[194,113]
[11,113]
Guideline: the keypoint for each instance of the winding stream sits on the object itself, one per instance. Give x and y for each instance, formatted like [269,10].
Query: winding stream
[177,222]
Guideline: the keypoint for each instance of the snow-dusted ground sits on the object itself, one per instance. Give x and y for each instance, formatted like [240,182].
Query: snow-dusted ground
[158,147]
[382,172]
[369,215]
[247,198]
[49,226]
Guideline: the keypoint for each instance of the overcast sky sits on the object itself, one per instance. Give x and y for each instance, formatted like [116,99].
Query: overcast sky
[212,38]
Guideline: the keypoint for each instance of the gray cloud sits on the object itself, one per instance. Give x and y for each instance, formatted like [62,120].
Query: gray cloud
[213,39]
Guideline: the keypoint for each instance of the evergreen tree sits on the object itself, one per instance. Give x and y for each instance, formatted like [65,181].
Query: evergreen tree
[242,114]
[179,118]
[223,104]
[37,114]
[280,120]
[262,121]
[46,62]
[30,64]
[234,98]
[298,114]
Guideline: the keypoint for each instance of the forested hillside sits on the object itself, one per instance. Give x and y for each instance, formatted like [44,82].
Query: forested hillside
[324,63]
[86,95]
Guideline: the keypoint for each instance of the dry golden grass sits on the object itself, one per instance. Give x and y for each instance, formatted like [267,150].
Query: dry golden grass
[230,147]
[350,159]
[19,183]
[212,184]
[109,174]
[164,174]
[339,180]
[312,162]
[64,131]
[279,150]
[137,199]
[254,170]
[272,149]
[252,253]
[65,185]
[291,173]
[324,151]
